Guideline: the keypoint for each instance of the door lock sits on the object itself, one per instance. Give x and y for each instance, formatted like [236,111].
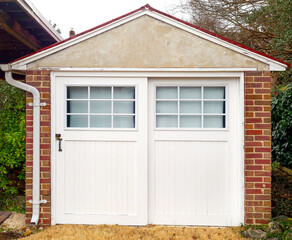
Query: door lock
[58,137]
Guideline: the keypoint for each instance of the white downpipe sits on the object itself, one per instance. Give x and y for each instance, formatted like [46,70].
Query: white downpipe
[36,140]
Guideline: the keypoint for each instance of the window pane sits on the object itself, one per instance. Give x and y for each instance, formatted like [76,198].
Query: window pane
[190,121]
[124,107]
[190,107]
[124,93]
[77,121]
[214,107]
[77,107]
[166,121]
[166,92]
[100,106]
[77,92]
[166,107]
[124,121]
[100,93]
[214,121]
[190,93]
[214,92]
[100,121]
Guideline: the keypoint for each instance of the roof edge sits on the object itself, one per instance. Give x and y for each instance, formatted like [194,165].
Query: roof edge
[148,7]
[42,21]
[218,36]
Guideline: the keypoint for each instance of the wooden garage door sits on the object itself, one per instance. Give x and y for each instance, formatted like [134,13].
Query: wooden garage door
[193,152]
[101,162]
[138,151]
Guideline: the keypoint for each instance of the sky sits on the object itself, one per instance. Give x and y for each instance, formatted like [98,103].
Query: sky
[85,14]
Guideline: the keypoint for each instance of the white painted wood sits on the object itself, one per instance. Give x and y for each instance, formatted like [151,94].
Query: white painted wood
[101,176]
[66,69]
[241,173]
[179,191]
[175,75]
[194,175]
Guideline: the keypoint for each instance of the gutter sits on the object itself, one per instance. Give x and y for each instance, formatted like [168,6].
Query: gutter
[36,139]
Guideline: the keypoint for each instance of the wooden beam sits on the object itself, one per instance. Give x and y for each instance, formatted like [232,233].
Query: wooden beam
[16,30]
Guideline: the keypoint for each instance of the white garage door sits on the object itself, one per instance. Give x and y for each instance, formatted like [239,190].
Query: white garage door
[193,161]
[101,172]
[132,155]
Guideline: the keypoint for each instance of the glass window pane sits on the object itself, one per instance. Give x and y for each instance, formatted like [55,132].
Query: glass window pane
[124,107]
[100,121]
[190,121]
[214,107]
[77,107]
[77,121]
[100,93]
[124,121]
[77,92]
[214,92]
[124,93]
[214,121]
[166,107]
[166,121]
[100,106]
[166,92]
[190,107]
[190,93]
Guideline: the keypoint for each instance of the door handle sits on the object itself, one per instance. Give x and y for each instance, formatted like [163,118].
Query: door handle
[58,137]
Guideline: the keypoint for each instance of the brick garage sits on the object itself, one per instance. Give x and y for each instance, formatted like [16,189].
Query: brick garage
[50,72]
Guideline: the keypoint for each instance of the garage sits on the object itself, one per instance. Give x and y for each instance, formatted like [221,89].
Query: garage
[147,119]
[139,151]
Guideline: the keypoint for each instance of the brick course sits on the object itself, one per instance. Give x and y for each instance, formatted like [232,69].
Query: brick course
[257,147]
[40,80]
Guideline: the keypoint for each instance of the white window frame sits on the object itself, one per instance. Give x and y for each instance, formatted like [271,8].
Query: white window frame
[202,100]
[66,128]
[188,84]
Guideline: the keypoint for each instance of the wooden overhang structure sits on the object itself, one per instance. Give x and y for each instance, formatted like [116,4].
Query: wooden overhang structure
[23,30]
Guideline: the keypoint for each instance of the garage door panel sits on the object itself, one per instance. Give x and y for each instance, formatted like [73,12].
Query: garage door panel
[100,172]
[193,171]
[100,177]
[190,178]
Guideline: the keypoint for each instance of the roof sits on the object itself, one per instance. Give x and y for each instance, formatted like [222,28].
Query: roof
[275,64]
[23,30]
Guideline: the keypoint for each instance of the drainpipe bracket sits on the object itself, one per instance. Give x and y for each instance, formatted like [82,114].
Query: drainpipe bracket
[43,104]
[37,202]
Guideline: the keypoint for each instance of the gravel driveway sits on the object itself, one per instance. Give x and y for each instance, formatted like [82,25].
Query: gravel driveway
[150,232]
[14,228]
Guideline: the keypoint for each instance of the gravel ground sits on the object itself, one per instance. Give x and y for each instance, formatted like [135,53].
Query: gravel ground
[150,232]
[14,228]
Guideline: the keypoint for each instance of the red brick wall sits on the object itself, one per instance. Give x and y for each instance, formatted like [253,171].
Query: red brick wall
[40,80]
[257,147]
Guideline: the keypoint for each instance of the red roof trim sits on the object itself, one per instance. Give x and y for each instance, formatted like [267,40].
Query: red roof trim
[79,34]
[147,6]
[218,36]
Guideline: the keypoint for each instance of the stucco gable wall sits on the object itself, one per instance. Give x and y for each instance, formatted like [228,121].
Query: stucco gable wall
[147,43]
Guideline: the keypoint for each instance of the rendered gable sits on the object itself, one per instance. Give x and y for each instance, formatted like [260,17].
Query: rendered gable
[147,43]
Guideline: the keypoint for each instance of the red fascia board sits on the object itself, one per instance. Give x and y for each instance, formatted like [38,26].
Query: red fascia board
[147,6]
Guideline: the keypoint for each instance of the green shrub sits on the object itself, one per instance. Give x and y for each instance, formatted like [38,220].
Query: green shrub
[12,143]
[282,125]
